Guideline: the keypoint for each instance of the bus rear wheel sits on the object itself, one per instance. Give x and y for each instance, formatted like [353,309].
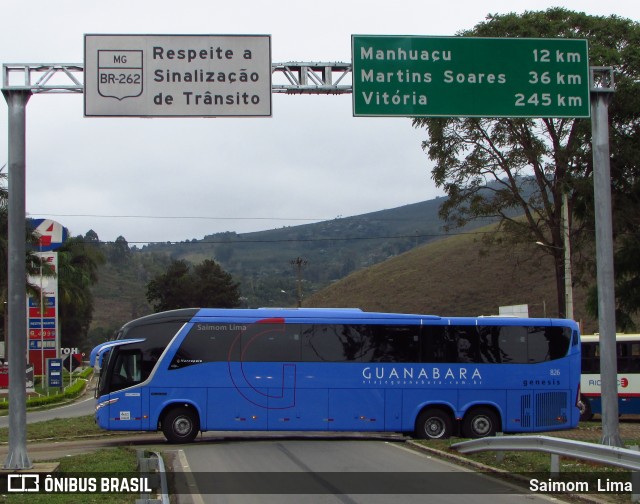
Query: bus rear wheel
[181,425]
[479,423]
[585,409]
[434,423]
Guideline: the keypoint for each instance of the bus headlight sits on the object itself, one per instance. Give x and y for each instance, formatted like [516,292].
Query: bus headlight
[106,403]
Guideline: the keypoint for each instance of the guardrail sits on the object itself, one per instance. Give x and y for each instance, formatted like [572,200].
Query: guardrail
[556,447]
[152,468]
[611,455]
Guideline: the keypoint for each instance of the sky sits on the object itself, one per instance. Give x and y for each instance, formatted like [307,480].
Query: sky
[176,179]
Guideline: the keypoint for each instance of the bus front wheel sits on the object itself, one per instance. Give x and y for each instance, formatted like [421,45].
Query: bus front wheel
[181,425]
[434,423]
[479,423]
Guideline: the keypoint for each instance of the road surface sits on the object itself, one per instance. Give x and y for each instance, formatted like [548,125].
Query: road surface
[85,406]
[347,470]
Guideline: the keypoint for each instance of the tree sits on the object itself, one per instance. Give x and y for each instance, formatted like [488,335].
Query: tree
[92,237]
[170,289]
[119,251]
[214,287]
[507,167]
[206,284]
[78,263]
[34,265]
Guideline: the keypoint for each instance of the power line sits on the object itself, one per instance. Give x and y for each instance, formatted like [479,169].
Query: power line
[305,240]
[178,217]
[366,217]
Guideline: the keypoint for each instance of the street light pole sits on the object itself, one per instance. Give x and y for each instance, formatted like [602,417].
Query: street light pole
[600,98]
[566,248]
[568,280]
[17,457]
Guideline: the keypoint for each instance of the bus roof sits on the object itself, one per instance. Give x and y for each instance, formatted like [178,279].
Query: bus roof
[590,338]
[346,314]
[329,315]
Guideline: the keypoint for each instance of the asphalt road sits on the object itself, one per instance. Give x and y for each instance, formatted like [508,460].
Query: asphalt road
[317,469]
[83,407]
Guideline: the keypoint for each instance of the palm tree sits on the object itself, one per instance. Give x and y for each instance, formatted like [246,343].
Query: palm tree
[35,266]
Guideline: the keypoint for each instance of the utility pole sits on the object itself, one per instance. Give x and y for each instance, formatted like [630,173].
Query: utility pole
[602,88]
[298,263]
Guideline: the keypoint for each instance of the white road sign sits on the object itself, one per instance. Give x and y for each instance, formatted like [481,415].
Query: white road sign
[177,75]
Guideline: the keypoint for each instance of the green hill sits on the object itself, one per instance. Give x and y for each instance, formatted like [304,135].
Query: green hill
[456,276]
[261,261]
[391,260]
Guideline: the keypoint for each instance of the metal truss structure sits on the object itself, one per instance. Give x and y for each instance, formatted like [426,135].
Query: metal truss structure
[292,77]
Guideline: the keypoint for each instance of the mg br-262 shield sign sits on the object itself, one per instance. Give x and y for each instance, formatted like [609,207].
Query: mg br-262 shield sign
[177,75]
[120,74]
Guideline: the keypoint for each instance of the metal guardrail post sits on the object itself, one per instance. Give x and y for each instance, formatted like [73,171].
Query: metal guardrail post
[554,467]
[154,470]
[635,478]
[499,454]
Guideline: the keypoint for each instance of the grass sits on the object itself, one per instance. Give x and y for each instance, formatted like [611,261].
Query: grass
[115,460]
[457,276]
[105,461]
[59,429]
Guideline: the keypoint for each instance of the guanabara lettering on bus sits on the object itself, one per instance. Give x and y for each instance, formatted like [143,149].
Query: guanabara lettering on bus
[194,370]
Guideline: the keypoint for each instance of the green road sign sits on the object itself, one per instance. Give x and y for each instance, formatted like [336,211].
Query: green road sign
[469,77]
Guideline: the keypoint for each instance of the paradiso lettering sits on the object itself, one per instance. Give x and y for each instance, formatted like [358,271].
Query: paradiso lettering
[411,375]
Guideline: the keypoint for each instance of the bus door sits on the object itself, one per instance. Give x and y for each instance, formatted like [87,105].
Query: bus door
[126,405]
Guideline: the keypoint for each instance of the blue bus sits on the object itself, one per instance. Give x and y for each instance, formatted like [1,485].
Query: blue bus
[193,370]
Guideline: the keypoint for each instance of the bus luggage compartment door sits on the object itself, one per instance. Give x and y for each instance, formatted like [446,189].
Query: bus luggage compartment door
[356,409]
[126,412]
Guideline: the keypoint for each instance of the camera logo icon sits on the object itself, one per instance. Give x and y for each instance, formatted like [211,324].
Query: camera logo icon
[23,483]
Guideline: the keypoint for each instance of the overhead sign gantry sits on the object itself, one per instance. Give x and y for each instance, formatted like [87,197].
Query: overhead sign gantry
[160,76]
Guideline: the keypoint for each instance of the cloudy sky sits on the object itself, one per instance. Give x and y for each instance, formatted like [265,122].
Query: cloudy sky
[174,179]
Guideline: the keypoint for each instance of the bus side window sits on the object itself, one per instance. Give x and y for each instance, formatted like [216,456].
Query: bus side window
[635,357]
[437,345]
[127,370]
[513,344]
[590,360]
[391,344]
[547,343]
[271,343]
[489,345]
[331,343]
[467,342]
[622,351]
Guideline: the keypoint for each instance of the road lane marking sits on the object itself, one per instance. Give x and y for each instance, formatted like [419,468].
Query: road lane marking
[188,475]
